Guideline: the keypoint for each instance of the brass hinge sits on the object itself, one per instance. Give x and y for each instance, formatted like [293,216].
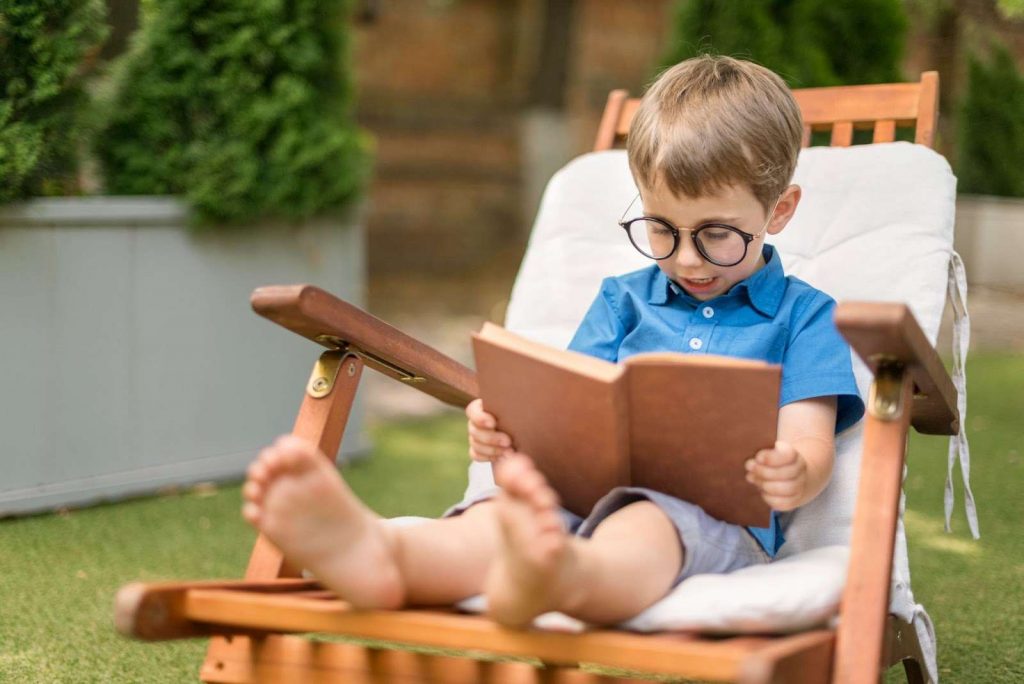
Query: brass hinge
[373,359]
[325,374]
[885,400]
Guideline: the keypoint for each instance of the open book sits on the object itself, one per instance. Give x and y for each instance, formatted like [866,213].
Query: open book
[677,423]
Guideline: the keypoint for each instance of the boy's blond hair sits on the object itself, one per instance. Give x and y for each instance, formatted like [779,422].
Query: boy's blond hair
[711,122]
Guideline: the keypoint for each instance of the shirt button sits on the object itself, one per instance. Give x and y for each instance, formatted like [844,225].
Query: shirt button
[696,343]
[708,312]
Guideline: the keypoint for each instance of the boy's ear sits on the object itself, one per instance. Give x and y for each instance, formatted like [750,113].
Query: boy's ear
[785,208]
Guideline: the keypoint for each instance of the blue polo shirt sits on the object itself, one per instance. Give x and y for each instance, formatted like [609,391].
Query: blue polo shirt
[769,317]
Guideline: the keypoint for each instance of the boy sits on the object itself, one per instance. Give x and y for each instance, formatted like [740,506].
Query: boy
[712,148]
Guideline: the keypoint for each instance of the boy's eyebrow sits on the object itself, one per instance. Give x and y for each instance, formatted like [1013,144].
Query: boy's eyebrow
[709,219]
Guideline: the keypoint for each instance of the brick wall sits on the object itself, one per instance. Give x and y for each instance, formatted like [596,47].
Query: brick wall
[439,88]
[445,88]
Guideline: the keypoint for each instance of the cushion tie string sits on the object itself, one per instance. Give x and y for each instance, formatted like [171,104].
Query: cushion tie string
[958,446]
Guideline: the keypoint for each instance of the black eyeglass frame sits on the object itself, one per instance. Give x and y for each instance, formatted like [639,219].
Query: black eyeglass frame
[694,232]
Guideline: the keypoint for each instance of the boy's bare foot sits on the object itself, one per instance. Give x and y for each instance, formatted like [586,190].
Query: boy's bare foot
[530,574]
[295,497]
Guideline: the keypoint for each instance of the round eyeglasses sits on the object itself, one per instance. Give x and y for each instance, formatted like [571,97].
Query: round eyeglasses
[719,243]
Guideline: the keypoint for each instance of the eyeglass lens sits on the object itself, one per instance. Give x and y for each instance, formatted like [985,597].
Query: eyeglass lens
[719,244]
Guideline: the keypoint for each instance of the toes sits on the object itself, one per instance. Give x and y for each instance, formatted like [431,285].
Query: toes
[287,453]
[544,498]
[271,458]
[252,491]
[550,522]
[517,474]
[297,453]
[257,471]
[296,445]
[520,478]
[509,471]
[251,513]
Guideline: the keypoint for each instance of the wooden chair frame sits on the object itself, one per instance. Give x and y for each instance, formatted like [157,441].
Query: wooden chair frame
[252,622]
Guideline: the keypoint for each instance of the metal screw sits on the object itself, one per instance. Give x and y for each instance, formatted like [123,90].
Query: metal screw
[351,369]
[320,384]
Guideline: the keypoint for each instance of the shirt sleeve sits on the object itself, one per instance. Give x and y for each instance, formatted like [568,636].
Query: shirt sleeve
[817,363]
[601,331]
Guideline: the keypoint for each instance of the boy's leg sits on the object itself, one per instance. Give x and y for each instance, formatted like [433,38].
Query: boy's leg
[446,560]
[631,561]
[296,497]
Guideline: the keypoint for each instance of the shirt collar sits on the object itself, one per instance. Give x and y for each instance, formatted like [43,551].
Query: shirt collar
[765,288]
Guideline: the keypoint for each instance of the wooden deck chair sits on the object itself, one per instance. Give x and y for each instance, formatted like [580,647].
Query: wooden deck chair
[256,623]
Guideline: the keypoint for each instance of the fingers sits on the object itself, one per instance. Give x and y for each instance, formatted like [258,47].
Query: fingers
[478,416]
[782,454]
[779,463]
[486,445]
[783,488]
[766,473]
[485,442]
[780,474]
[480,452]
[490,438]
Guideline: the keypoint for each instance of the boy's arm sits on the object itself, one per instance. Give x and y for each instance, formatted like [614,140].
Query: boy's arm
[799,466]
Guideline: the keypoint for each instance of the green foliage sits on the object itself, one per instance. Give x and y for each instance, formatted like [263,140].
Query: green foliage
[242,106]
[991,135]
[42,48]
[1011,9]
[808,42]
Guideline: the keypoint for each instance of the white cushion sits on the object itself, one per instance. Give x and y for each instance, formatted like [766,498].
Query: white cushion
[804,591]
[793,593]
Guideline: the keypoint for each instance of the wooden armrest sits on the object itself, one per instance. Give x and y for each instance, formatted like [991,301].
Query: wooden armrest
[336,324]
[155,611]
[878,331]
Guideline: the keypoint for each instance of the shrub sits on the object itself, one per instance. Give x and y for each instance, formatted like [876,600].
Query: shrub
[991,128]
[43,48]
[808,42]
[241,106]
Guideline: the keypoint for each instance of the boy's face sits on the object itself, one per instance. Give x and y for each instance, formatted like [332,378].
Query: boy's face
[735,206]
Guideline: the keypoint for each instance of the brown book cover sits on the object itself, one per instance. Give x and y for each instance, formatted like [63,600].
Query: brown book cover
[677,423]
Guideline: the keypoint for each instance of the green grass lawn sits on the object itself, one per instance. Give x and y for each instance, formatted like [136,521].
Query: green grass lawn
[59,573]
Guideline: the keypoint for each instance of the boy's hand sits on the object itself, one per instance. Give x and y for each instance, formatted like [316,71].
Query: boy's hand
[781,475]
[486,443]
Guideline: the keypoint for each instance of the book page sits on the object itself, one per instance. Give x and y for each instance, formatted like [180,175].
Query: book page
[694,423]
[565,410]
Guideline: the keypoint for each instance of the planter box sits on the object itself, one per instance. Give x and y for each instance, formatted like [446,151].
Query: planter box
[130,359]
[990,238]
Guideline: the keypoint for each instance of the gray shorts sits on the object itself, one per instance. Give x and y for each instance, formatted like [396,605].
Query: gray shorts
[709,545]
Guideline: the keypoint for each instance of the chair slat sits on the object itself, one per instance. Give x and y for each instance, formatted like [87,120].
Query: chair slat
[903,104]
[842,134]
[607,131]
[629,108]
[898,101]
[927,109]
[286,658]
[885,131]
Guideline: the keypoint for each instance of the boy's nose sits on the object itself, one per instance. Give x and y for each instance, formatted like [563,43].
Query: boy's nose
[687,254]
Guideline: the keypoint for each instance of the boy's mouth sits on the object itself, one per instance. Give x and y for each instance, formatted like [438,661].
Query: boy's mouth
[699,284]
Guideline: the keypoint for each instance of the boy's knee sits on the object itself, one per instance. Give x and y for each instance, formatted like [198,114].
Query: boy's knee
[639,514]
